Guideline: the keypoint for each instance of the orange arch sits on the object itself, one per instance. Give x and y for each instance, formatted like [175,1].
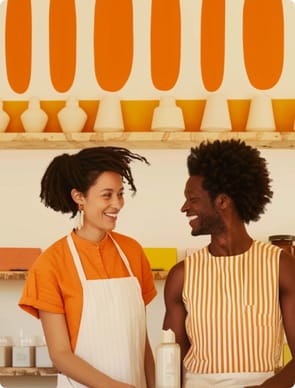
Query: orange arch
[18,44]
[113,43]
[62,43]
[165,43]
[212,42]
[263,41]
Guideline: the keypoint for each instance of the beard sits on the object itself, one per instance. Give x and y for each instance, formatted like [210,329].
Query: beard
[208,225]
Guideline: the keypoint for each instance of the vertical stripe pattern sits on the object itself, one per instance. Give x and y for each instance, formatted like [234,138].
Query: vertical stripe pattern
[234,320]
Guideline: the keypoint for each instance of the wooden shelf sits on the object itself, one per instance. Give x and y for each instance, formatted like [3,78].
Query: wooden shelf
[13,275]
[139,140]
[160,275]
[44,372]
[22,275]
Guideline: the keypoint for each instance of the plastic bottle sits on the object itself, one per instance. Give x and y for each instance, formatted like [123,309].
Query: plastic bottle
[168,361]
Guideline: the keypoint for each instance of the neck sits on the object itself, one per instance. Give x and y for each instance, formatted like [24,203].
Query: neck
[90,235]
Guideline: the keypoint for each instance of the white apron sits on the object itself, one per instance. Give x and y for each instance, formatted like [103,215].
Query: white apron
[112,328]
[224,380]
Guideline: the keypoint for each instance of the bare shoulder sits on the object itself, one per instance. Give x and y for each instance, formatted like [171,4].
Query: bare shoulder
[174,281]
[176,273]
[287,271]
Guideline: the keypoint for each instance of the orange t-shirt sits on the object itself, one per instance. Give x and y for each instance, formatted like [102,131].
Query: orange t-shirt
[53,283]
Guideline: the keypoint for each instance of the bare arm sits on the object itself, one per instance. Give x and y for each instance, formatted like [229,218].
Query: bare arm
[57,338]
[286,377]
[149,364]
[175,313]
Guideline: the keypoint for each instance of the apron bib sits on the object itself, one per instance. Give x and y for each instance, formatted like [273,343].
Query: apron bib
[113,327]
[224,380]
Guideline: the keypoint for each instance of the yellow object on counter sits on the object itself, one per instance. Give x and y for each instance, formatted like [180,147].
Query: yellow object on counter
[161,258]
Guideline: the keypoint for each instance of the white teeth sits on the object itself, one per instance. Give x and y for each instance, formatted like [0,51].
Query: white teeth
[190,218]
[114,215]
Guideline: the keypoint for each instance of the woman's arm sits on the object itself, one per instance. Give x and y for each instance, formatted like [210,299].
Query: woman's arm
[149,364]
[58,342]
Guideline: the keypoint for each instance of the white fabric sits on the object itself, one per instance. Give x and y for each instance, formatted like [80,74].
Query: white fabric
[113,326]
[224,380]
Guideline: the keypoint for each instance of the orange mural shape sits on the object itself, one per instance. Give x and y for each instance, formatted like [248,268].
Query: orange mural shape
[62,43]
[165,43]
[212,42]
[113,43]
[18,44]
[263,41]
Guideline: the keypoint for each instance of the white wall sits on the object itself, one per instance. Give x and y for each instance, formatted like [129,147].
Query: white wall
[153,217]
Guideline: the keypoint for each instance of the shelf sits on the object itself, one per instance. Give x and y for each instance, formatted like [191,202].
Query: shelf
[44,372]
[22,275]
[13,275]
[139,140]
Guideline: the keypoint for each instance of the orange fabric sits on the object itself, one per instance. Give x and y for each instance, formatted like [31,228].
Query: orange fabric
[53,284]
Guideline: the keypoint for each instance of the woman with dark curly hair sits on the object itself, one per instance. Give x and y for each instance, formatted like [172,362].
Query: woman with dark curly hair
[90,288]
[230,302]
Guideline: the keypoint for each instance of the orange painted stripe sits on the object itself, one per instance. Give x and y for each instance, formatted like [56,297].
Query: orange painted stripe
[62,43]
[212,43]
[165,43]
[113,43]
[263,41]
[18,44]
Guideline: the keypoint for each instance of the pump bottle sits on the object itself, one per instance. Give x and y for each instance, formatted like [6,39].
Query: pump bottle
[168,361]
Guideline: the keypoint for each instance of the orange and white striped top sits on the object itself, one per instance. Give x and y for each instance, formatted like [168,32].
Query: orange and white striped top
[234,321]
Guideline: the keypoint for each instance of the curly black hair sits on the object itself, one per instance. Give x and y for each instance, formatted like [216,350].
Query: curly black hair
[80,171]
[236,169]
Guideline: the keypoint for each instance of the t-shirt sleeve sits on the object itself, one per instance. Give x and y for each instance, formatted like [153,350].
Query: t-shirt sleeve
[41,290]
[148,285]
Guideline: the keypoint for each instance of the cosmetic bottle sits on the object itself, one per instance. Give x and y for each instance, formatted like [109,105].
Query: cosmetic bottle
[168,361]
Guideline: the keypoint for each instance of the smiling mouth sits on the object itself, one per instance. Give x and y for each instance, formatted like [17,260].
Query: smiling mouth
[192,218]
[114,216]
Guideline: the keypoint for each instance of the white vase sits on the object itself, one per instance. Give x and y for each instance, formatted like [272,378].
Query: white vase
[34,119]
[109,115]
[72,117]
[216,117]
[261,116]
[4,118]
[168,117]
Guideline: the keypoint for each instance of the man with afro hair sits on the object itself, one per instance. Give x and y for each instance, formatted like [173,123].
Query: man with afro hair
[230,303]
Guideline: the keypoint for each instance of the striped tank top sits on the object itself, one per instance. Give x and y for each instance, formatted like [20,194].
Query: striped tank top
[234,321]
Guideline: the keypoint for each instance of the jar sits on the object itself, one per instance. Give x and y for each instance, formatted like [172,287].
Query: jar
[284,241]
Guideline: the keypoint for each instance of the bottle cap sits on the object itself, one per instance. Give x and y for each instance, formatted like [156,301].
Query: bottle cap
[168,336]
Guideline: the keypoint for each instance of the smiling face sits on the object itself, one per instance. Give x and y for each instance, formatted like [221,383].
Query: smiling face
[202,213]
[101,204]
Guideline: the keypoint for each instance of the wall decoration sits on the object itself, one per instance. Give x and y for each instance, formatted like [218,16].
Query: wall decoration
[62,43]
[18,44]
[113,43]
[212,41]
[165,43]
[263,42]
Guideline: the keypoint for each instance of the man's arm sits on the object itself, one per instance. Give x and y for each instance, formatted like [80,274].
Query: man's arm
[175,314]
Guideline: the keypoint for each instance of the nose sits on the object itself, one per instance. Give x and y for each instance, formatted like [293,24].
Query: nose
[183,207]
[117,202]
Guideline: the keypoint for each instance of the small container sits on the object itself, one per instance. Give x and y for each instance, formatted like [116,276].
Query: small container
[43,359]
[284,241]
[5,352]
[23,353]
[168,361]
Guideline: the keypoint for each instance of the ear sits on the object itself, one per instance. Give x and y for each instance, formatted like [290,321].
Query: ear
[77,196]
[223,201]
